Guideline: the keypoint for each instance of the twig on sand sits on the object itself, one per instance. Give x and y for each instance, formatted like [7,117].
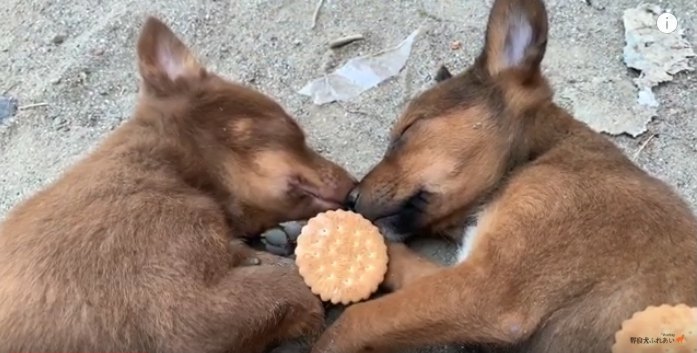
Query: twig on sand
[30,106]
[316,14]
[340,42]
[643,146]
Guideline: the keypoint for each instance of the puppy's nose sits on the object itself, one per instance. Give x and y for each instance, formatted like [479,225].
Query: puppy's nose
[352,198]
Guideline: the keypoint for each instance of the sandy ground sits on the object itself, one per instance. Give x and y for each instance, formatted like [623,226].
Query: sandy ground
[78,57]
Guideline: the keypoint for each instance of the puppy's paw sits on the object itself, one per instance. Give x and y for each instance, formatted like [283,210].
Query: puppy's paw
[243,254]
[277,242]
[250,261]
[281,240]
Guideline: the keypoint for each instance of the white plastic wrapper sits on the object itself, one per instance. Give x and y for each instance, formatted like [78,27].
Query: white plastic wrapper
[359,74]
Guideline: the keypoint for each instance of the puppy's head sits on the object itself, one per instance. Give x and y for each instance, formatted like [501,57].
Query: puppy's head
[455,142]
[234,141]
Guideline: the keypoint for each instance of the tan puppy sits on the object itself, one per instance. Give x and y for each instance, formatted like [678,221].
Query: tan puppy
[569,238]
[130,250]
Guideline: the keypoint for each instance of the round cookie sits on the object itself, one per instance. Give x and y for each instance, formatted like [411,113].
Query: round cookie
[659,329]
[341,256]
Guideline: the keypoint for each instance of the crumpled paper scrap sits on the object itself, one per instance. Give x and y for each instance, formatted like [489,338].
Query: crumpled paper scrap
[658,56]
[360,74]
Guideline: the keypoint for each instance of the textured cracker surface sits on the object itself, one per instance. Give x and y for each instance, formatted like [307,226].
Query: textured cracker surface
[341,256]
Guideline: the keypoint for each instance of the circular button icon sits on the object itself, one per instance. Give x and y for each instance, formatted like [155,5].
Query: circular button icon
[667,23]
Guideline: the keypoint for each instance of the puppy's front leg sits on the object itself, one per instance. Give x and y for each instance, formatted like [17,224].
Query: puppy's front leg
[453,305]
[406,266]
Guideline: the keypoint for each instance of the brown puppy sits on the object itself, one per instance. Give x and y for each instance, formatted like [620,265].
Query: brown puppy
[570,239]
[130,250]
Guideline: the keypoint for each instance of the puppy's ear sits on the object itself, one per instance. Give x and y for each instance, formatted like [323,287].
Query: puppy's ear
[443,74]
[516,36]
[164,61]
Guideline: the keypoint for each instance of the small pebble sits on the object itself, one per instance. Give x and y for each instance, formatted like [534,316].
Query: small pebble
[81,77]
[455,45]
[58,39]
[60,124]
[8,107]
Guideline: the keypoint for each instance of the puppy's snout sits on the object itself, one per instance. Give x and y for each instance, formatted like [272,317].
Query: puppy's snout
[352,198]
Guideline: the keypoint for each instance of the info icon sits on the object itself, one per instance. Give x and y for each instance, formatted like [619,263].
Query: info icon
[667,22]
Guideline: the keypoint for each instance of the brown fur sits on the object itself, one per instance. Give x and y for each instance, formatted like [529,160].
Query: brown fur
[137,247]
[572,236]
